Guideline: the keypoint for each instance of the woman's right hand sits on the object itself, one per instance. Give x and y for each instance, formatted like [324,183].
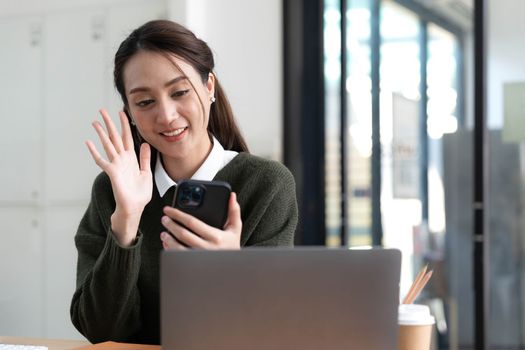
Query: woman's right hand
[132,183]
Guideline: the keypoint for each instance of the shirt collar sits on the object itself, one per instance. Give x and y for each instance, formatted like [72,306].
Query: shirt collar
[215,161]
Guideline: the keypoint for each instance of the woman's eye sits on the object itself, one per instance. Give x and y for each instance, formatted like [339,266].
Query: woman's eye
[180,93]
[144,103]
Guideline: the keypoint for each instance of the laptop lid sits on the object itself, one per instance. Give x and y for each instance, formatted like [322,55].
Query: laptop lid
[261,298]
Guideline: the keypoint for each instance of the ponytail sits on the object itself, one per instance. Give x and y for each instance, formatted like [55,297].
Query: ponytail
[222,123]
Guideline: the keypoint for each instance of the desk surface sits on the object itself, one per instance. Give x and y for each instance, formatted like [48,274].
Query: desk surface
[62,344]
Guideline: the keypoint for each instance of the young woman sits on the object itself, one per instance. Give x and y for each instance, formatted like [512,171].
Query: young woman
[176,124]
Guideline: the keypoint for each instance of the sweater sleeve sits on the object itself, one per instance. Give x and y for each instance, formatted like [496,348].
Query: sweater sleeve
[278,222]
[106,303]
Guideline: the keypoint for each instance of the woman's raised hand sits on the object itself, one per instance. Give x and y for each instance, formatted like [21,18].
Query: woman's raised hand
[132,183]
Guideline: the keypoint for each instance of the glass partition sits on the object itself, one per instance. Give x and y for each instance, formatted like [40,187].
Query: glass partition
[505,114]
[358,119]
[400,141]
[426,150]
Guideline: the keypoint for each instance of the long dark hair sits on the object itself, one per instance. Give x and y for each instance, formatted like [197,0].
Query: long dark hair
[170,38]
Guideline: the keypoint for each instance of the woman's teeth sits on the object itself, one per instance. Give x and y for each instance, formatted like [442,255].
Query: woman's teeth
[174,132]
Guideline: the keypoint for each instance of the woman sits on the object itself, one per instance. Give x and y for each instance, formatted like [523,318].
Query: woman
[176,124]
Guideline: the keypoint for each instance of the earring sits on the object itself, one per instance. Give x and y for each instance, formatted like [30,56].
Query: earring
[212,99]
[132,122]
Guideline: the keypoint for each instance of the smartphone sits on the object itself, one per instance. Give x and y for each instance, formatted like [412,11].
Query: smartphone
[205,200]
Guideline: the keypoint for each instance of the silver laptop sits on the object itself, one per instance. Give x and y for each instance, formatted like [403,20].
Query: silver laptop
[274,298]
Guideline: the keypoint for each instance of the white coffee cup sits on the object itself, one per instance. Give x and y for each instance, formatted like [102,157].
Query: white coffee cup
[415,327]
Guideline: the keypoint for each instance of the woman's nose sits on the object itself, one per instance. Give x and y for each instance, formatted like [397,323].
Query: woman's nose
[167,111]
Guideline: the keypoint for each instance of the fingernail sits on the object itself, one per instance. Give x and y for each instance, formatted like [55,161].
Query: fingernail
[165,219]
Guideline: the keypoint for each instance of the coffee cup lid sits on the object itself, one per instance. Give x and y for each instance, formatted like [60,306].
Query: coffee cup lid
[414,314]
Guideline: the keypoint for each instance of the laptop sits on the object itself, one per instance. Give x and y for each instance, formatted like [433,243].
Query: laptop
[280,298]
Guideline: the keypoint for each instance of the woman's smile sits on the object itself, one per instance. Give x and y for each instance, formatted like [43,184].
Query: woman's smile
[175,134]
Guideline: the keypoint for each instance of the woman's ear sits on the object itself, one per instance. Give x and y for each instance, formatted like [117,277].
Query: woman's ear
[130,117]
[210,84]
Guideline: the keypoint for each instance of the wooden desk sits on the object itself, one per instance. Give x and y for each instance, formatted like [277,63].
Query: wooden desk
[52,344]
[61,344]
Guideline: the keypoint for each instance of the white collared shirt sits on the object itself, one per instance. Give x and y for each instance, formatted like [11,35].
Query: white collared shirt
[216,160]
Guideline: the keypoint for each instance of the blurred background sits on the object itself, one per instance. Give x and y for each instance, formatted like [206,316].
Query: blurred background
[370,103]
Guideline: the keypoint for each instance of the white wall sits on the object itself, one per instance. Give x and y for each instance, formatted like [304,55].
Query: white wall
[56,71]
[246,38]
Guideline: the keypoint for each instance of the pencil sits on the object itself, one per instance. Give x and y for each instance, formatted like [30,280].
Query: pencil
[419,276]
[420,287]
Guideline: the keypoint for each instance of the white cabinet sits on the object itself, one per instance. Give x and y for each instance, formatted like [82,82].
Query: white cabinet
[80,47]
[74,79]
[56,72]
[21,272]
[21,109]
[60,266]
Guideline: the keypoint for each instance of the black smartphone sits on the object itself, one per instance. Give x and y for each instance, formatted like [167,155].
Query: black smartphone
[205,200]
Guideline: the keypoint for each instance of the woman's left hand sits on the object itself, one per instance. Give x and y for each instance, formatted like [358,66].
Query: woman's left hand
[193,233]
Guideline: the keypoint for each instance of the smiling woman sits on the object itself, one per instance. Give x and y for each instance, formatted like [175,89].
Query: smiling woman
[169,110]
[176,124]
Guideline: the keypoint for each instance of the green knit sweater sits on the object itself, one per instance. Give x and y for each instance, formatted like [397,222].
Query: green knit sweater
[117,295]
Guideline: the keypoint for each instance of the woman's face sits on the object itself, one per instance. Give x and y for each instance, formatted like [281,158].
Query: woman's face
[164,106]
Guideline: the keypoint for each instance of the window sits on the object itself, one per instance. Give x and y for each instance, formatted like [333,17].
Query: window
[420,130]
